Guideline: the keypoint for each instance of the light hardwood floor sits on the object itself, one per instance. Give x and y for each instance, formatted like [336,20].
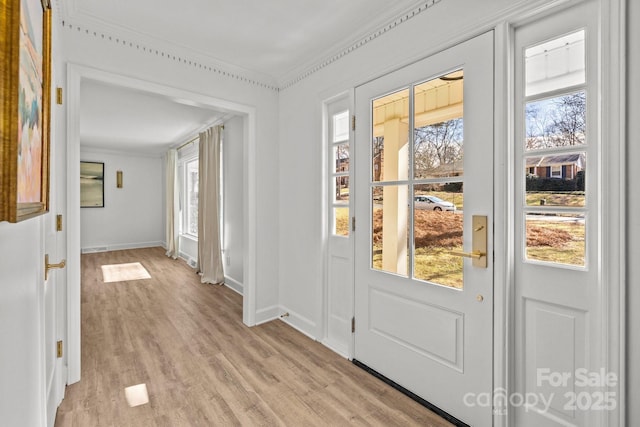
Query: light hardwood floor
[203,367]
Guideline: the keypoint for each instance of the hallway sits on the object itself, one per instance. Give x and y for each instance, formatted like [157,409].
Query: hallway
[202,366]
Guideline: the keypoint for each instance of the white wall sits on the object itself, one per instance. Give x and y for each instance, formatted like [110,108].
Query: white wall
[133,216]
[115,55]
[633,218]
[233,202]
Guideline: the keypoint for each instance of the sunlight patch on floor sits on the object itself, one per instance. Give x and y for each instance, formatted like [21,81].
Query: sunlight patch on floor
[124,272]
[136,395]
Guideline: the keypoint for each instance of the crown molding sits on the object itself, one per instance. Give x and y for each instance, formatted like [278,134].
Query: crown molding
[188,59]
[70,19]
[89,26]
[332,56]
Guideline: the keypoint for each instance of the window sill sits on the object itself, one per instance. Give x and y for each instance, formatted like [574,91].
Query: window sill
[189,237]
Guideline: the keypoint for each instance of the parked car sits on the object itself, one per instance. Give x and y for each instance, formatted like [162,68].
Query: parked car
[433,203]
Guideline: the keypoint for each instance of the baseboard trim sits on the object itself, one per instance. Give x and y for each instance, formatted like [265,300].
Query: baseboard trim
[120,247]
[233,284]
[298,322]
[267,314]
[453,420]
[338,348]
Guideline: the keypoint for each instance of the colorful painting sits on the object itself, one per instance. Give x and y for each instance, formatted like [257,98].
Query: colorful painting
[91,185]
[30,103]
[25,93]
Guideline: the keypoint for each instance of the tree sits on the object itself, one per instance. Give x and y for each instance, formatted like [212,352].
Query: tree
[556,122]
[568,122]
[437,145]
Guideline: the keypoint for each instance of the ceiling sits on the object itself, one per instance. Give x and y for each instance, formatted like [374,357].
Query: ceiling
[277,40]
[125,119]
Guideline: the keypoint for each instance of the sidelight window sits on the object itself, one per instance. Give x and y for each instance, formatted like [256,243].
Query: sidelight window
[339,172]
[554,151]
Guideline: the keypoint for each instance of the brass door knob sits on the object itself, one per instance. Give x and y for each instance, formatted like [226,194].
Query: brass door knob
[48,266]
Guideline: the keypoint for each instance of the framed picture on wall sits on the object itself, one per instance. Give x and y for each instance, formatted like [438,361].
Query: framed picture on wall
[91,185]
[25,93]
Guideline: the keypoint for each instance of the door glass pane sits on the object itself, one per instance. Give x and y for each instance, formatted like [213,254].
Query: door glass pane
[556,179]
[390,228]
[555,64]
[341,157]
[341,127]
[341,189]
[556,237]
[556,122]
[390,155]
[341,221]
[438,133]
[438,230]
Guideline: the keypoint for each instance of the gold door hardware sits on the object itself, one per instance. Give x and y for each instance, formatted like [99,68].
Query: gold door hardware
[58,222]
[59,349]
[478,242]
[473,255]
[480,298]
[48,266]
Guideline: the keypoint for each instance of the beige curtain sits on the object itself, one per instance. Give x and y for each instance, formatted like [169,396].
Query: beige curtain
[209,251]
[172,205]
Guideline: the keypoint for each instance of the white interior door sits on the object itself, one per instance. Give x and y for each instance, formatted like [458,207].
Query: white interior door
[51,324]
[424,178]
[54,295]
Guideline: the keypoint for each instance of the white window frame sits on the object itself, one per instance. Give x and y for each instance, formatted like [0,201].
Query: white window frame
[185,156]
[187,198]
[336,109]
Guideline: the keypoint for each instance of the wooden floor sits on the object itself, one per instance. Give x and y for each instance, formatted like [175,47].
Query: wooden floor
[203,367]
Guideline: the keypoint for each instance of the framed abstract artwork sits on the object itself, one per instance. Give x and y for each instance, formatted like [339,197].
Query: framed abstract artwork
[91,185]
[25,97]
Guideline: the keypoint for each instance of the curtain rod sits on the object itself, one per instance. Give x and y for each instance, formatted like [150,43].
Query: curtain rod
[194,139]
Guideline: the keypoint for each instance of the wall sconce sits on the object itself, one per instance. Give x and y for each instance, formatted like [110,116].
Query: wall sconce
[119,179]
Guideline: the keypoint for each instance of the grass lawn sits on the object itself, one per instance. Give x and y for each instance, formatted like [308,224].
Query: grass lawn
[574,198]
[438,233]
[556,241]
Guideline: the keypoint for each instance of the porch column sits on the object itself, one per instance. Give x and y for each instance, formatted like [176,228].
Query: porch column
[395,198]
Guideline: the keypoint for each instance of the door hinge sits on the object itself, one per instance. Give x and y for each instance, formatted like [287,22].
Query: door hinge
[59,95]
[353,123]
[58,222]
[59,349]
[353,223]
[353,325]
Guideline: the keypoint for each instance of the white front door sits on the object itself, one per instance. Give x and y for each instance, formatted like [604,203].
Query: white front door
[424,183]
